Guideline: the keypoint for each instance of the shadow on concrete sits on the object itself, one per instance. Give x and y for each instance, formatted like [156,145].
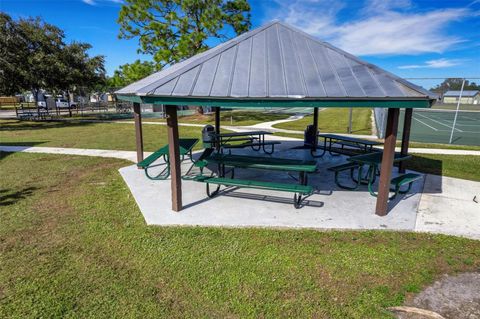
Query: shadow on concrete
[233,192]
[323,180]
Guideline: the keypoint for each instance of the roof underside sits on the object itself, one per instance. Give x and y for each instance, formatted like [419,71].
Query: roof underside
[275,62]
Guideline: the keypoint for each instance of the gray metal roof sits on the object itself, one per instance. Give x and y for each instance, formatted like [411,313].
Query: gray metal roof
[466,93]
[271,62]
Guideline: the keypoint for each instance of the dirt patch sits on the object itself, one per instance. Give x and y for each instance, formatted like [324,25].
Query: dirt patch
[455,297]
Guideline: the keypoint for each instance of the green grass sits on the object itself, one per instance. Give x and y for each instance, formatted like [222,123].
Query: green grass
[235,118]
[412,144]
[334,120]
[458,166]
[76,134]
[74,244]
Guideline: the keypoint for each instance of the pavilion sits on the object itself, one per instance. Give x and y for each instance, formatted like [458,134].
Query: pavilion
[277,65]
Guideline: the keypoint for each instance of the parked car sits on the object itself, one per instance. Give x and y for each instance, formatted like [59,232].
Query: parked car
[61,103]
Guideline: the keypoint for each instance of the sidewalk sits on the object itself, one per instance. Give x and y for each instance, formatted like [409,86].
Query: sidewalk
[436,210]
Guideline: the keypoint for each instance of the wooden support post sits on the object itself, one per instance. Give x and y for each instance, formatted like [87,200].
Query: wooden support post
[315,125]
[174,157]
[407,123]
[137,116]
[387,162]
[217,120]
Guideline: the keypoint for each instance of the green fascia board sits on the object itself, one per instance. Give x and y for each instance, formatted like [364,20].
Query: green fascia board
[247,103]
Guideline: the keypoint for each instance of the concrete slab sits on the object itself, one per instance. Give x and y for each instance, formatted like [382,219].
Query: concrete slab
[329,208]
[450,209]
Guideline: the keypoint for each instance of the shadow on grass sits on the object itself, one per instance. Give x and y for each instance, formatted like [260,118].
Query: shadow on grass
[20,125]
[10,197]
[425,165]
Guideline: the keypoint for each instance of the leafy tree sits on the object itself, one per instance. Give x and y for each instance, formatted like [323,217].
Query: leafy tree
[172,30]
[79,72]
[454,84]
[34,56]
[129,73]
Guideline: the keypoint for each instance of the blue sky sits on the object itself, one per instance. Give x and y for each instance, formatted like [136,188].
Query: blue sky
[411,38]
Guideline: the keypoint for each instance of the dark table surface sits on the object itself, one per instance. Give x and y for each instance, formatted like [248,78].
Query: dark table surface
[376,158]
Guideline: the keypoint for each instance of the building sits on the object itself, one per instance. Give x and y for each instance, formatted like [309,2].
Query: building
[468,97]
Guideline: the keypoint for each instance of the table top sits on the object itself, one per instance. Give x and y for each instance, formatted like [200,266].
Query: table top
[271,163]
[350,139]
[250,133]
[376,158]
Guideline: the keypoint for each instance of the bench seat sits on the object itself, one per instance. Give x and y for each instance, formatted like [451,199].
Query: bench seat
[401,180]
[293,188]
[153,157]
[405,179]
[298,189]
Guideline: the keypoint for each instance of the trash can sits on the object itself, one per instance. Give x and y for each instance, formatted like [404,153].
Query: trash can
[310,138]
[208,138]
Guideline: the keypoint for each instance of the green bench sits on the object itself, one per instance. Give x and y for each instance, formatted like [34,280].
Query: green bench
[396,182]
[401,180]
[186,146]
[351,166]
[277,164]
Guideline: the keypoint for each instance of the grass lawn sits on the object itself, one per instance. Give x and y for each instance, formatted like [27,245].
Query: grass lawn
[236,118]
[74,244]
[78,134]
[412,144]
[334,120]
[459,166]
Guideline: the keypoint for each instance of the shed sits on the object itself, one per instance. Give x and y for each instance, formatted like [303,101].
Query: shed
[277,65]
[465,97]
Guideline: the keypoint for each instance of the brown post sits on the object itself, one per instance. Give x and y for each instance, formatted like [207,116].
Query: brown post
[137,116]
[407,123]
[217,120]
[387,162]
[174,157]
[315,125]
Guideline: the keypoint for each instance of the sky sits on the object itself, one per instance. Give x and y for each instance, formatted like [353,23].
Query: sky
[410,38]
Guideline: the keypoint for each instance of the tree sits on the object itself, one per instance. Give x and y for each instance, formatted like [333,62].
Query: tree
[79,72]
[173,30]
[454,84]
[129,73]
[35,56]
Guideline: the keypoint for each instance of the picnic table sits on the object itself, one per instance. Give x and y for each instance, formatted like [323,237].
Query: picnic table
[265,163]
[373,161]
[253,139]
[186,146]
[355,145]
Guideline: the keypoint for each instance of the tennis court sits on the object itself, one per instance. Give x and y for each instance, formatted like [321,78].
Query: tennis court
[435,126]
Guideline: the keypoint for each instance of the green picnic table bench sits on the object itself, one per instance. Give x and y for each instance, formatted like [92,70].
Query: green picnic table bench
[265,163]
[373,160]
[253,139]
[186,147]
[355,145]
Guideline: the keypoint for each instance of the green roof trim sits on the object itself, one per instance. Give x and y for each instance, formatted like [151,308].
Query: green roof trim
[246,103]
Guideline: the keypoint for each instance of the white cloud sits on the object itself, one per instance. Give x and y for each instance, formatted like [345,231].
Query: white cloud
[381,27]
[434,64]
[95,2]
